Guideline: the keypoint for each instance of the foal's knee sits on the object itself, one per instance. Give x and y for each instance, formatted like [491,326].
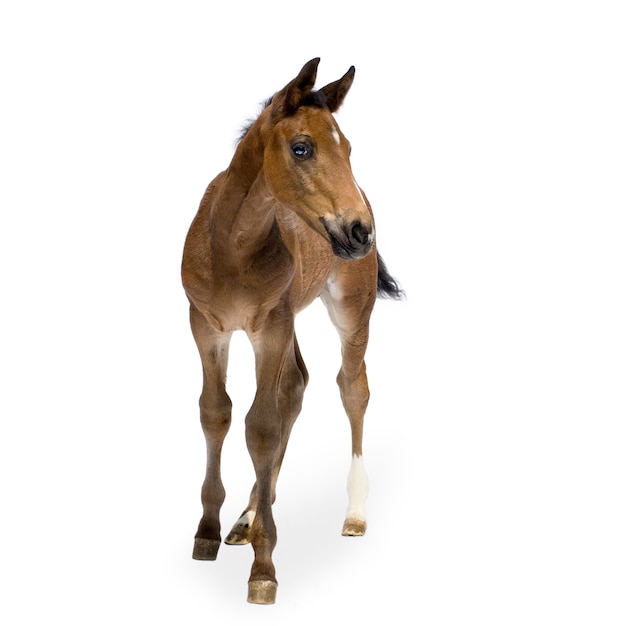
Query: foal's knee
[215,414]
[354,390]
[291,391]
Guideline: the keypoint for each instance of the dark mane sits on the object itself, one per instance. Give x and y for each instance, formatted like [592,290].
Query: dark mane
[248,124]
[314,99]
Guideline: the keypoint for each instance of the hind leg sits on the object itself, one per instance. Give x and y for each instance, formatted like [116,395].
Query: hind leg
[291,391]
[215,417]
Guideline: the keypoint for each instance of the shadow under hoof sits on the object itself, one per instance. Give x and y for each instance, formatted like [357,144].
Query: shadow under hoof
[262,591]
[205,549]
[354,528]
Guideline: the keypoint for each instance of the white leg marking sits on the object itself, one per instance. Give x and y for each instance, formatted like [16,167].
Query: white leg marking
[239,533]
[358,488]
[246,519]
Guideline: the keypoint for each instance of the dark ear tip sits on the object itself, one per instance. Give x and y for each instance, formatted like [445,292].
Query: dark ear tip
[309,70]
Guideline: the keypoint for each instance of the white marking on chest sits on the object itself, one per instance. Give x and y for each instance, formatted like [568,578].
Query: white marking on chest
[358,488]
[336,136]
[332,296]
[334,289]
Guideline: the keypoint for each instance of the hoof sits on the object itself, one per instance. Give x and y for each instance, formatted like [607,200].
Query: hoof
[354,528]
[238,536]
[262,591]
[205,549]
[240,532]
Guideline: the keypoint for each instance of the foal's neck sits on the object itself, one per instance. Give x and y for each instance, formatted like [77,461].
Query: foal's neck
[244,214]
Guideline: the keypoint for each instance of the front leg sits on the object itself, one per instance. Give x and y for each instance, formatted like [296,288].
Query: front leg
[355,396]
[215,417]
[267,429]
[293,381]
[350,303]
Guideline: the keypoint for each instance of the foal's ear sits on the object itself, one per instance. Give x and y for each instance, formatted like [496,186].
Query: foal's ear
[288,99]
[336,92]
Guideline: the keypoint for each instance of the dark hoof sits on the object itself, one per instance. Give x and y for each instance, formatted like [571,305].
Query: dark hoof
[205,549]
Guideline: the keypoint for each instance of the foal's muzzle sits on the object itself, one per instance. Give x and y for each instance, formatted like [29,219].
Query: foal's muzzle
[349,241]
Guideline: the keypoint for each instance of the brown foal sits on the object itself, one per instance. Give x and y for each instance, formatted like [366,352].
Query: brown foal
[284,224]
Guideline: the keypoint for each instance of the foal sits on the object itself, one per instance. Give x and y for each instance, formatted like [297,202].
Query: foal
[284,224]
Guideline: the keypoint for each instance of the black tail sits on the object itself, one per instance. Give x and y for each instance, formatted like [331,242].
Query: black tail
[387,285]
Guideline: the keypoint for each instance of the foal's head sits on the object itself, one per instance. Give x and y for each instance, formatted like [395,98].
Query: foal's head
[306,161]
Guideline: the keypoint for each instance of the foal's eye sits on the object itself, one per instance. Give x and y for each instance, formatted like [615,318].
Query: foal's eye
[301,151]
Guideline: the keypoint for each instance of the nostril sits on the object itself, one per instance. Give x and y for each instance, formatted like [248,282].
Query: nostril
[359,233]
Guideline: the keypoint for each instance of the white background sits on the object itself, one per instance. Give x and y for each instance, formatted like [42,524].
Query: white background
[490,138]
